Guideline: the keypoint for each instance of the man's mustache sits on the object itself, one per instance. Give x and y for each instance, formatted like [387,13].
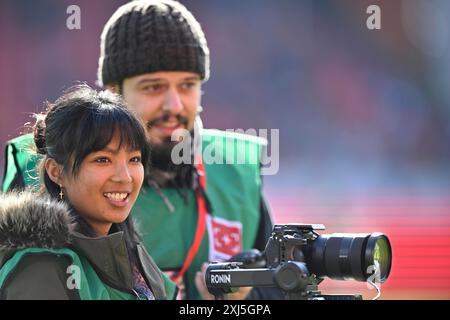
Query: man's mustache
[165,118]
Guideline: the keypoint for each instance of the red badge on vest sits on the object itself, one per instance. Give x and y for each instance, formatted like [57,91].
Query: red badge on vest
[225,238]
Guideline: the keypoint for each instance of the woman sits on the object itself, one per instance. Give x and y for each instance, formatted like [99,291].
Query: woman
[78,242]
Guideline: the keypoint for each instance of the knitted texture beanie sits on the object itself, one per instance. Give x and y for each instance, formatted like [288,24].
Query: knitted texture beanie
[149,36]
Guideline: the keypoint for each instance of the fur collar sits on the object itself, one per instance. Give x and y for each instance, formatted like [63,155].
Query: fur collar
[27,220]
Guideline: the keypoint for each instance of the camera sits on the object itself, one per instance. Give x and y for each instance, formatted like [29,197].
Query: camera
[296,259]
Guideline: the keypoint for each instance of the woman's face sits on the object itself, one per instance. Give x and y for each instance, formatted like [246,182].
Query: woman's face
[106,186]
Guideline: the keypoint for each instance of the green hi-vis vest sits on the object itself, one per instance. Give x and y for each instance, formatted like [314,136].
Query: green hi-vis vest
[87,283]
[233,187]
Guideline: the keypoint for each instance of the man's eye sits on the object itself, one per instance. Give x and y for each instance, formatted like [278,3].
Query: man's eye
[153,88]
[188,85]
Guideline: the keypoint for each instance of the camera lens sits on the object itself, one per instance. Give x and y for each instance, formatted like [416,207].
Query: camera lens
[348,256]
[379,252]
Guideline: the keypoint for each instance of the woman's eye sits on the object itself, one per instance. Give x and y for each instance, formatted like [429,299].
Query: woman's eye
[102,160]
[136,159]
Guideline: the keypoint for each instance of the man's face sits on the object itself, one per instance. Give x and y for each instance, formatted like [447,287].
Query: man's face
[165,101]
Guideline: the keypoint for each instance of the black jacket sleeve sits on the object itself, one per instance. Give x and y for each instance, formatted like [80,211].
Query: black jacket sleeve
[264,232]
[265,226]
[39,277]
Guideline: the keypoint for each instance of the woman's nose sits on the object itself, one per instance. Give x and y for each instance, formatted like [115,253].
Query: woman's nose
[122,173]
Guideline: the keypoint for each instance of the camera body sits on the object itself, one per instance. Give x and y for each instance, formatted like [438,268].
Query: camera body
[296,259]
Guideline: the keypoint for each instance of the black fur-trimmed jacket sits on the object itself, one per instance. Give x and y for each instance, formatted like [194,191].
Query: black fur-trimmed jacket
[38,243]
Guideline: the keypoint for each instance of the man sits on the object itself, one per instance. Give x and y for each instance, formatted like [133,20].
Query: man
[155,54]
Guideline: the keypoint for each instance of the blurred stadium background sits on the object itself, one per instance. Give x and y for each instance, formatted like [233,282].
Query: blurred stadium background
[364,116]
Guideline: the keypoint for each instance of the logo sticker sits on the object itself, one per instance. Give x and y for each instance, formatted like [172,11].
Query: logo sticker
[225,238]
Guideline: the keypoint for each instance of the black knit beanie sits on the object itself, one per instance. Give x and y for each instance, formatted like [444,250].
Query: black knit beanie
[149,36]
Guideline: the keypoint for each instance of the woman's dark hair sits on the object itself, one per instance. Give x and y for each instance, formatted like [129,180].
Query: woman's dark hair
[78,123]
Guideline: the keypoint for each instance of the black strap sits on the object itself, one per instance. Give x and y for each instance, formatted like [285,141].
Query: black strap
[18,181]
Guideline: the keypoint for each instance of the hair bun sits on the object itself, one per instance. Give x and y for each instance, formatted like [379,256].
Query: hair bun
[39,134]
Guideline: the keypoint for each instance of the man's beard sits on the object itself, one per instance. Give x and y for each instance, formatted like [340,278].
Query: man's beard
[161,154]
[164,171]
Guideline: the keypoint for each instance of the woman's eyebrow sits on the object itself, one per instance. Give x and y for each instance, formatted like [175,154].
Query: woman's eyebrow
[116,151]
[109,150]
